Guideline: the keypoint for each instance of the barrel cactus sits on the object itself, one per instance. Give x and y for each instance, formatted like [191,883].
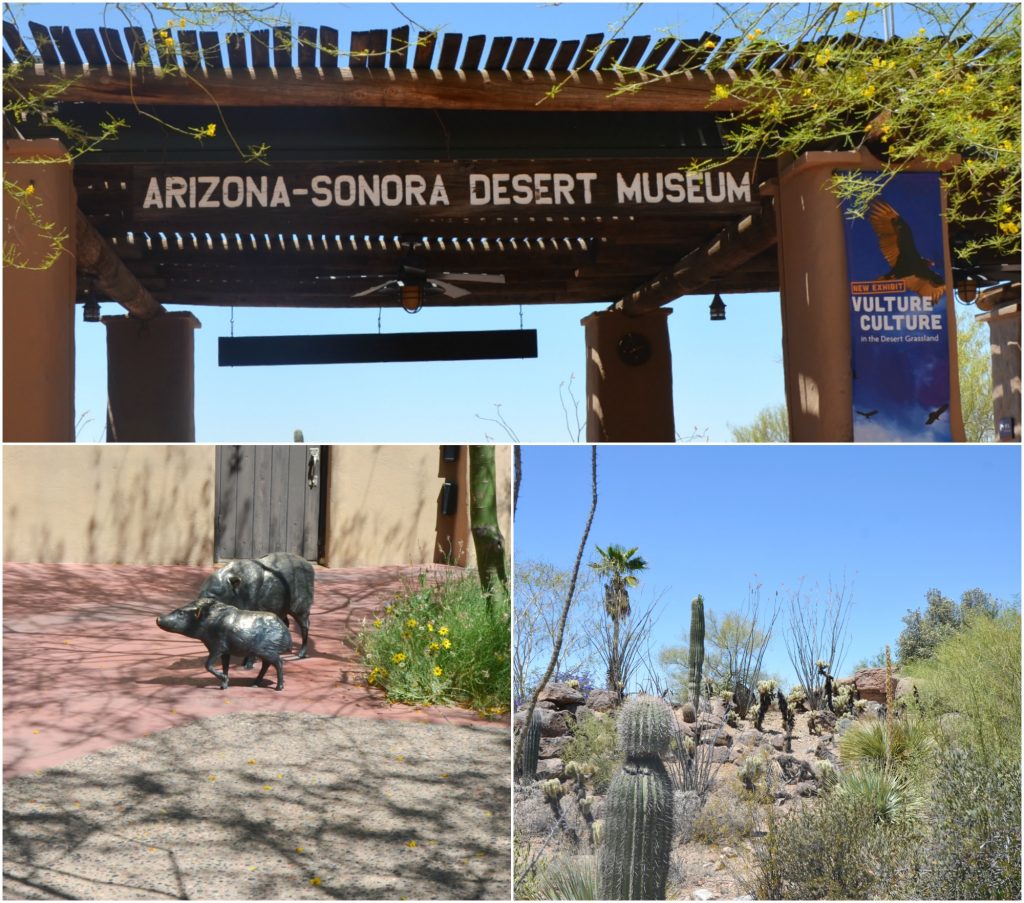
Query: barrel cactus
[531,746]
[638,812]
[696,649]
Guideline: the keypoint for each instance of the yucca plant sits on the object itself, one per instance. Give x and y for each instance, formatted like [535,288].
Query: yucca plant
[866,743]
[884,792]
[571,878]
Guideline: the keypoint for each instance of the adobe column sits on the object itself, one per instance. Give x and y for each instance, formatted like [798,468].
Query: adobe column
[39,294]
[816,348]
[151,378]
[629,377]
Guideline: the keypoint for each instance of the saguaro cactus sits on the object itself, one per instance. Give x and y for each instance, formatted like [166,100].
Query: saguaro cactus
[696,649]
[637,839]
[531,746]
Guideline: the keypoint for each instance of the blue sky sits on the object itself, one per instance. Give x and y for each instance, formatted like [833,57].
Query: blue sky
[723,372]
[895,520]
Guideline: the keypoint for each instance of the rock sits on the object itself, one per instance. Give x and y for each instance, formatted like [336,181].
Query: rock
[722,754]
[874,710]
[843,725]
[905,687]
[552,723]
[825,750]
[749,738]
[550,747]
[795,769]
[806,788]
[870,684]
[550,768]
[562,695]
[602,700]
[701,894]
[776,741]
[685,729]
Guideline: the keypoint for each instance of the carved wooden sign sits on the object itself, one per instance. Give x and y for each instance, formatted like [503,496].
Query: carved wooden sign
[319,193]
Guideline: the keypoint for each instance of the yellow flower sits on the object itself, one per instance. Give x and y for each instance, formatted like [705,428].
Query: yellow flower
[721,92]
[211,129]
[430,626]
[314,881]
[433,647]
[1009,228]
[1006,145]
[709,45]
[808,92]
[412,622]
[853,16]
[299,850]
[169,41]
[182,23]
[398,658]
[822,58]
[437,671]
[30,188]
[447,643]
[410,843]
[869,91]
[388,609]
[443,631]
[378,623]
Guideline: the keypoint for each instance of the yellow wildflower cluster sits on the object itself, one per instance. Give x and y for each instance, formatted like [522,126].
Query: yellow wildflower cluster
[377,675]
[398,658]
[721,92]
[1009,228]
[853,16]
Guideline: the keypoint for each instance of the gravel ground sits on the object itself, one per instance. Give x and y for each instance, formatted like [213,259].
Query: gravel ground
[268,806]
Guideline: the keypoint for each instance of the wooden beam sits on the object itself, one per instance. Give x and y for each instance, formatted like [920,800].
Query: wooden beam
[690,91]
[725,253]
[95,256]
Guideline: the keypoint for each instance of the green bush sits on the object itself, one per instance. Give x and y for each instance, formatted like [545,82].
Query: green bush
[571,878]
[832,849]
[977,675]
[725,819]
[442,644]
[594,743]
[972,839]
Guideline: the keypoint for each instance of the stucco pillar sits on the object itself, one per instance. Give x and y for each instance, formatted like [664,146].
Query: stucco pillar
[815,301]
[39,296]
[151,378]
[1004,343]
[629,377]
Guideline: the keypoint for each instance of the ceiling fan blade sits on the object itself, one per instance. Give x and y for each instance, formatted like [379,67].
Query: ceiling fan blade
[452,291]
[494,279]
[376,288]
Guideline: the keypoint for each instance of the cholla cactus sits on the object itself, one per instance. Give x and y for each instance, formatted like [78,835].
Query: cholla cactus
[553,789]
[826,773]
[766,691]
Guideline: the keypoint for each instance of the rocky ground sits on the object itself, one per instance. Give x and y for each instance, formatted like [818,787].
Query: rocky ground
[713,852]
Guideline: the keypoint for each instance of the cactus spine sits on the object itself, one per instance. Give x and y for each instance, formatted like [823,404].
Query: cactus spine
[696,649]
[531,746]
[637,840]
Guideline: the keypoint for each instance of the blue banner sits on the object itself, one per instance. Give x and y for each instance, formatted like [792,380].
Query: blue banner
[899,314]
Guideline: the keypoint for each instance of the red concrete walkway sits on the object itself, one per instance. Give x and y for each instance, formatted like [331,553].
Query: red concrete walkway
[86,667]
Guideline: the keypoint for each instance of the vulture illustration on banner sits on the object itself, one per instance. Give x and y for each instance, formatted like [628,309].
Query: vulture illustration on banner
[896,242]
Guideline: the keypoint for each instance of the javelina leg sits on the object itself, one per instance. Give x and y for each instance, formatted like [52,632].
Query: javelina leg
[303,621]
[223,678]
[267,662]
[250,660]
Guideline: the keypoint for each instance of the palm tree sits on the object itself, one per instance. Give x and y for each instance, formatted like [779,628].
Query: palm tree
[618,565]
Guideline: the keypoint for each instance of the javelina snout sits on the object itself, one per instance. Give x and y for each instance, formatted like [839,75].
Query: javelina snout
[226,631]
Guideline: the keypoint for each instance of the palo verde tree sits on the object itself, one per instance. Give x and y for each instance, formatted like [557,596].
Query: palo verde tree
[949,90]
[619,567]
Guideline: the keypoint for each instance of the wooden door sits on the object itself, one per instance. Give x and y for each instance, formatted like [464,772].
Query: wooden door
[269,499]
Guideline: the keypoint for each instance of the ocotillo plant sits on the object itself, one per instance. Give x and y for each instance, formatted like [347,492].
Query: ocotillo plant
[696,649]
[531,746]
[638,811]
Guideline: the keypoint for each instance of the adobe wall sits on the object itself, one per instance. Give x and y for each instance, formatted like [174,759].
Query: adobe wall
[109,504]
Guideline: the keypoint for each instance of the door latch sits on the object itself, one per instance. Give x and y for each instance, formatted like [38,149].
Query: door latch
[313,468]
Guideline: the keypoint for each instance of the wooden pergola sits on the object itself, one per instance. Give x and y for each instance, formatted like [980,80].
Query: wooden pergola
[404,104]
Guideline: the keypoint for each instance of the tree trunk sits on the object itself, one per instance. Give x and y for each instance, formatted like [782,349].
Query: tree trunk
[483,518]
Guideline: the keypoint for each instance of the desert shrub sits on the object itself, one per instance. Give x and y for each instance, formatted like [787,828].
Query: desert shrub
[977,674]
[594,743]
[830,850]
[971,838]
[865,743]
[442,644]
[885,792]
[725,818]
[569,878]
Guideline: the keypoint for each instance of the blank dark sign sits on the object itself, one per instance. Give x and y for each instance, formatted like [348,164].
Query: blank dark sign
[265,351]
